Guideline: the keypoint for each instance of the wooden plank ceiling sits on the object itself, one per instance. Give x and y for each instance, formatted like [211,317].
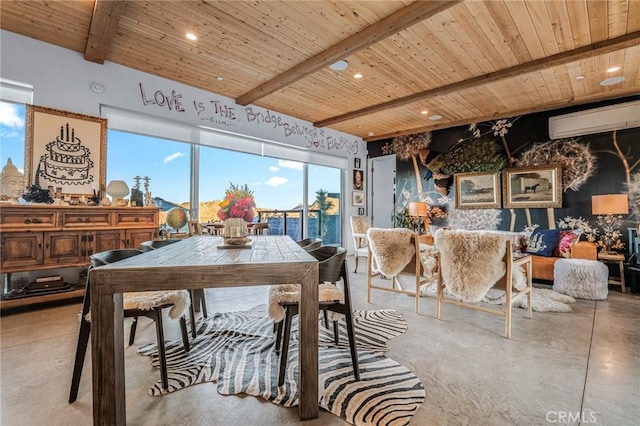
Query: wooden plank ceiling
[466,61]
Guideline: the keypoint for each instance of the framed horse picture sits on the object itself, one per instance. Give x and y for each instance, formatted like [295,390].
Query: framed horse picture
[532,187]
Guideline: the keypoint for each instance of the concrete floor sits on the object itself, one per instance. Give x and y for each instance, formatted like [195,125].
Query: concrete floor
[558,368]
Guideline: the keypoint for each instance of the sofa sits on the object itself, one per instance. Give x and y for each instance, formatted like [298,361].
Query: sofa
[542,266]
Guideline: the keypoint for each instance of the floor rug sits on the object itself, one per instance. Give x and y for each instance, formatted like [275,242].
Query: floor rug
[236,350]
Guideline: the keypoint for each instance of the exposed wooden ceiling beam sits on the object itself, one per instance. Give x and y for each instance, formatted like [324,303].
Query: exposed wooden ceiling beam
[386,27]
[599,48]
[104,21]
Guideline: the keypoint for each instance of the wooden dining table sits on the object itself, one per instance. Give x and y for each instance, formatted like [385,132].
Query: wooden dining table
[194,263]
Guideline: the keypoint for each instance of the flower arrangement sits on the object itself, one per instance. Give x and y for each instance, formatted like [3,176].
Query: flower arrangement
[238,202]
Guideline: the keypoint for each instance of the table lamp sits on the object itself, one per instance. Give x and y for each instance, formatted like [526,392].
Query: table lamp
[605,207]
[419,209]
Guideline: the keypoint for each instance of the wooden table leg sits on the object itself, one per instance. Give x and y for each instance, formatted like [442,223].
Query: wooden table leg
[308,349]
[107,356]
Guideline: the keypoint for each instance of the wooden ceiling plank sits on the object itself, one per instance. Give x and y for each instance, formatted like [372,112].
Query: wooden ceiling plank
[618,16]
[104,22]
[599,48]
[392,24]
[526,29]
[598,20]
[488,36]
[509,29]
[579,22]
[544,28]
[560,22]
[633,17]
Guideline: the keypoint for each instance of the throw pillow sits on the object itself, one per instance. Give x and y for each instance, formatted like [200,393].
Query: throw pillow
[543,241]
[566,240]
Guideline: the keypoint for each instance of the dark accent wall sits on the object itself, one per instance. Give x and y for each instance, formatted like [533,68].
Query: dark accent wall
[608,178]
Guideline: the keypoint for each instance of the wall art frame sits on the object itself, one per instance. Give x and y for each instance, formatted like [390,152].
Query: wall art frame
[356,163]
[532,187]
[65,150]
[358,180]
[357,198]
[478,190]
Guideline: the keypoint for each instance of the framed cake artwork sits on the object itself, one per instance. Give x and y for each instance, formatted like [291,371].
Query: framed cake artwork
[65,151]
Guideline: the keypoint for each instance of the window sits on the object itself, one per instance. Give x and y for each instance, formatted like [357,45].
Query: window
[165,162]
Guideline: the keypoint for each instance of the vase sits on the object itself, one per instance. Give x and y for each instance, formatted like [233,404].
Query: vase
[117,189]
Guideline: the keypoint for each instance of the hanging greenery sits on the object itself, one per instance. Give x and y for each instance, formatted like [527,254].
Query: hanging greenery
[483,154]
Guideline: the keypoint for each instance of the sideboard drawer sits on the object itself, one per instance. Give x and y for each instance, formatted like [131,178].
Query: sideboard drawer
[85,219]
[24,219]
[137,217]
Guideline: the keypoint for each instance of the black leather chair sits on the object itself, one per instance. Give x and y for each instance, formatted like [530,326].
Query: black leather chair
[100,259]
[332,268]
[197,296]
[310,243]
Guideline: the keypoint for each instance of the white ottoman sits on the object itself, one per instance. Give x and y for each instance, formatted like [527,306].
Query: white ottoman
[581,278]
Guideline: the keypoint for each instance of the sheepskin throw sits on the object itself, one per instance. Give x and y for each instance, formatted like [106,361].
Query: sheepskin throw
[147,300]
[471,263]
[392,249]
[290,293]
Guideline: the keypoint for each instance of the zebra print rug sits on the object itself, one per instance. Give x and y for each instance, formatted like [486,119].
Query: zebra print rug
[236,350]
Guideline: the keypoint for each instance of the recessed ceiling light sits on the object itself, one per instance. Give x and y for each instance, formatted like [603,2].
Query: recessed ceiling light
[425,112]
[191,36]
[612,80]
[613,69]
[371,133]
[339,65]
[435,117]
[579,77]
[357,75]
[219,78]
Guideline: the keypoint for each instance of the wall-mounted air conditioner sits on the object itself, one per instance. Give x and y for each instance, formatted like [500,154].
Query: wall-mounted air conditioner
[597,120]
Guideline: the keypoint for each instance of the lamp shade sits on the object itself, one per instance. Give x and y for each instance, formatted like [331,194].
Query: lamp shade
[117,189]
[610,204]
[417,209]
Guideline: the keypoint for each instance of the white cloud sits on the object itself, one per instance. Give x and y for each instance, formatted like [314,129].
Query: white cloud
[274,168]
[9,116]
[290,164]
[172,157]
[276,181]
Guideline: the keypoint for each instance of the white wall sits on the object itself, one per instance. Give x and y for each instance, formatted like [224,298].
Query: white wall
[61,79]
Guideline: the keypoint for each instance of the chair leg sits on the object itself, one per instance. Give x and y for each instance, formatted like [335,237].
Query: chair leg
[355,270]
[326,319]
[162,356]
[278,331]
[81,347]
[192,313]
[185,334]
[81,350]
[132,331]
[203,302]
[352,345]
[285,345]
[336,336]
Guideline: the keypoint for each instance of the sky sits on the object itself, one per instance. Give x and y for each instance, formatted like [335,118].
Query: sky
[277,184]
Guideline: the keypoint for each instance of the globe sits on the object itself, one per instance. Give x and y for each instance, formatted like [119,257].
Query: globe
[176,218]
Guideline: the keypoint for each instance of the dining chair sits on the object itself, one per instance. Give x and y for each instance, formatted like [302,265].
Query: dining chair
[392,253]
[197,296]
[284,301]
[471,264]
[310,243]
[148,303]
[359,227]
[260,228]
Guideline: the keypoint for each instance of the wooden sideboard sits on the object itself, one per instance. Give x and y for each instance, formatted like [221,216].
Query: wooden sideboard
[49,237]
